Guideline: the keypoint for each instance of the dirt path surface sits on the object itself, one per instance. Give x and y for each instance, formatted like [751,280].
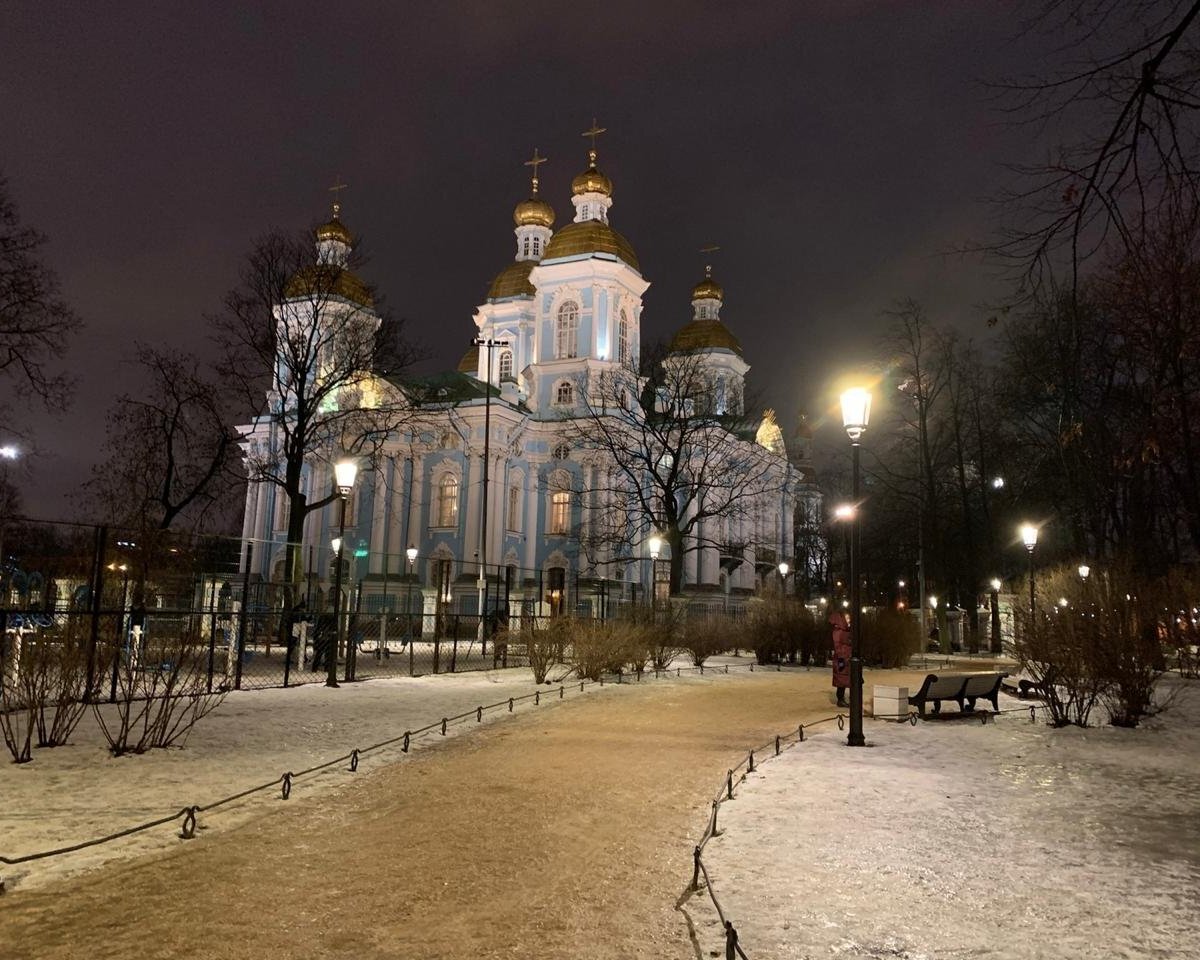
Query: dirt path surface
[559,834]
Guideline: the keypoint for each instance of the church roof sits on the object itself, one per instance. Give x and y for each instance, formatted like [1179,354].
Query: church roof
[447,387]
[591,237]
[470,361]
[323,280]
[513,281]
[704,335]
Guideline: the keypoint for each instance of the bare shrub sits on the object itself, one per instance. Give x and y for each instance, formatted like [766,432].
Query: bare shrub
[704,636]
[783,629]
[889,637]
[42,693]
[542,641]
[161,694]
[18,699]
[660,630]
[597,648]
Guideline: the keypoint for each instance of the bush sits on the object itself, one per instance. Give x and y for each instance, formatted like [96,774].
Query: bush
[598,647]
[889,637]
[704,636]
[543,643]
[784,629]
[1103,639]
[42,690]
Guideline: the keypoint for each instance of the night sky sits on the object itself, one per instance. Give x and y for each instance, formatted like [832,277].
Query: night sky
[835,150]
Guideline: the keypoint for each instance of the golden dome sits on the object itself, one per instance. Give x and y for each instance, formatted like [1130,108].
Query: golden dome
[704,335]
[707,289]
[534,212]
[335,230]
[470,361]
[513,281]
[590,237]
[322,281]
[591,180]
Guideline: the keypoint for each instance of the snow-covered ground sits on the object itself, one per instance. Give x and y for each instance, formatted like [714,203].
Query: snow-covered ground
[951,839]
[78,792]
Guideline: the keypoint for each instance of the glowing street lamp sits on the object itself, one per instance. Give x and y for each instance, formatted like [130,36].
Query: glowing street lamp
[1084,572]
[856,414]
[783,572]
[997,645]
[1029,537]
[345,472]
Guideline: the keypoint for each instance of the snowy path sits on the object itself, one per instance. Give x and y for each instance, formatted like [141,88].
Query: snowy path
[564,832]
[952,840]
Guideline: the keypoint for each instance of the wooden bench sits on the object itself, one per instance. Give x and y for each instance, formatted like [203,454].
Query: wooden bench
[961,688]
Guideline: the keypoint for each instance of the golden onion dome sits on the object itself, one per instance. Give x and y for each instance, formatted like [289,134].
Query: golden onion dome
[591,180]
[335,230]
[534,212]
[702,335]
[707,289]
[590,237]
[470,361]
[321,281]
[513,281]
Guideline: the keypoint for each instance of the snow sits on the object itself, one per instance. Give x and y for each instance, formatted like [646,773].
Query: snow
[79,791]
[953,839]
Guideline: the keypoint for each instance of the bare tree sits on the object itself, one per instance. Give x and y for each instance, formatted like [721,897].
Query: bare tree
[1127,75]
[309,351]
[169,448]
[35,321]
[666,461]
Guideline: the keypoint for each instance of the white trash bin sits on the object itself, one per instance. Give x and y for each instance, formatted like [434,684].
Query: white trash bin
[890,702]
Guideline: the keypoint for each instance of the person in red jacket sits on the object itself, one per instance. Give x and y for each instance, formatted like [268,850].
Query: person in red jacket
[841,653]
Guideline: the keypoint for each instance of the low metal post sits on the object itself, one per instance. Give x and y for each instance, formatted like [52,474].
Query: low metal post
[241,638]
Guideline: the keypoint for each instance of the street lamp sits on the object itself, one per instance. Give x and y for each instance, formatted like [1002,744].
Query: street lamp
[997,645]
[489,344]
[783,572]
[411,553]
[1084,572]
[1029,535]
[345,472]
[856,414]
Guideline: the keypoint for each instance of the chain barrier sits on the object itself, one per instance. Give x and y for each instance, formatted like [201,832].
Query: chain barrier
[287,780]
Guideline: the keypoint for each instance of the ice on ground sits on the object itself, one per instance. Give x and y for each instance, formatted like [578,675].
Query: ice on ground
[952,839]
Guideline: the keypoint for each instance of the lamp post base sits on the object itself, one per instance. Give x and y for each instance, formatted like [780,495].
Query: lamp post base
[856,739]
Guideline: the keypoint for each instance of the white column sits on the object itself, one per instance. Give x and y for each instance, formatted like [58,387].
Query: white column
[378,542]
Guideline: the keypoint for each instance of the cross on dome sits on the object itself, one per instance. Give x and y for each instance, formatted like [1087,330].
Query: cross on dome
[535,161]
[336,189]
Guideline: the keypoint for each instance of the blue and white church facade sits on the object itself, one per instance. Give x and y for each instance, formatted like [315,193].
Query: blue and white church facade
[565,311]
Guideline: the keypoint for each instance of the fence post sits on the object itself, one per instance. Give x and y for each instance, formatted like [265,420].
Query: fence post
[241,638]
[97,590]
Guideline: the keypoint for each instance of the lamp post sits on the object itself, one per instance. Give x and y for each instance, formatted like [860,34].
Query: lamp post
[655,545]
[411,553]
[488,344]
[783,572]
[1084,572]
[997,645]
[856,413]
[345,472]
[1029,535]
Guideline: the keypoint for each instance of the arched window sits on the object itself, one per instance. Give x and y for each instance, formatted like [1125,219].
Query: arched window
[623,339]
[448,501]
[564,392]
[560,512]
[506,365]
[566,331]
[537,246]
[525,247]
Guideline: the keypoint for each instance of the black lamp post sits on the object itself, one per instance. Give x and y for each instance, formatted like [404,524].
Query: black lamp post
[345,472]
[655,544]
[783,572]
[411,553]
[1029,537]
[488,344]
[997,644]
[856,413]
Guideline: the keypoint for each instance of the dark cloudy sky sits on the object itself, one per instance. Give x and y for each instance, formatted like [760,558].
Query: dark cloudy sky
[835,149]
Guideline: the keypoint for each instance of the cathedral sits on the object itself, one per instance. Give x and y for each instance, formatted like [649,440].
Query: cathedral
[494,470]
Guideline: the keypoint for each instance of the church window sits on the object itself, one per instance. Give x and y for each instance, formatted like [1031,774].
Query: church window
[585,211]
[560,512]
[564,393]
[562,452]
[566,331]
[448,501]
[537,246]
[514,507]
[525,247]
[623,339]
[506,365]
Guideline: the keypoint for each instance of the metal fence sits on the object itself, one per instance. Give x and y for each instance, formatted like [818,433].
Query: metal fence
[125,597]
